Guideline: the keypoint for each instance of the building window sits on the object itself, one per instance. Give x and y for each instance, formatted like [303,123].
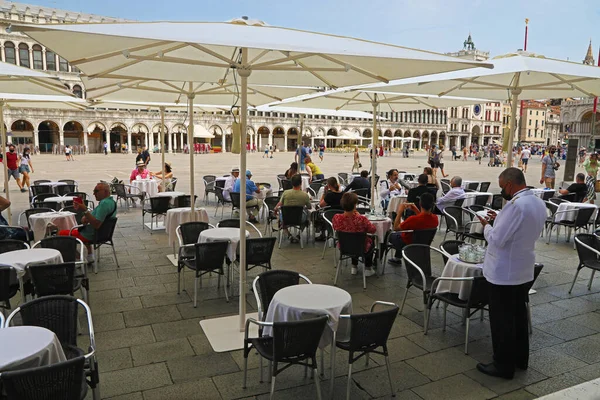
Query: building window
[77,91]
[537,113]
[529,133]
[530,112]
[50,61]
[63,66]
[38,57]
[529,122]
[9,53]
[24,55]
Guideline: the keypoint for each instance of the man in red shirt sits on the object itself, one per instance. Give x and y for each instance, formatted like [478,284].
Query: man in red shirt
[12,165]
[423,219]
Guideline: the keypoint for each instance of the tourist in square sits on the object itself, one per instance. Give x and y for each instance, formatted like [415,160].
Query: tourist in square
[314,172]
[455,193]
[581,156]
[252,203]
[508,267]
[431,179]
[301,154]
[465,153]
[549,166]
[439,161]
[294,197]
[321,151]
[168,177]
[332,194]
[292,170]
[525,156]
[591,168]
[140,172]
[356,165]
[266,153]
[145,156]
[390,187]
[579,188]
[230,183]
[25,168]
[352,221]
[12,164]
[69,153]
[359,182]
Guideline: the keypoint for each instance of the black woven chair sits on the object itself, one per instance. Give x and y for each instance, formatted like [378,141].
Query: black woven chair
[419,236]
[60,381]
[481,200]
[235,223]
[29,212]
[570,197]
[102,236]
[271,202]
[558,200]
[52,279]
[259,252]
[459,221]
[40,181]
[291,343]
[329,231]
[158,206]
[445,184]
[236,203]
[484,186]
[220,199]
[68,181]
[187,235]
[53,205]
[497,202]
[352,246]
[184,201]
[368,333]
[449,248]
[417,260]
[286,184]
[548,194]
[60,315]
[7,245]
[36,190]
[343,178]
[266,284]
[121,190]
[588,251]
[537,269]
[62,190]
[39,198]
[476,301]
[210,257]
[209,186]
[171,187]
[293,217]
[581,221]
[9,286]
[472,186]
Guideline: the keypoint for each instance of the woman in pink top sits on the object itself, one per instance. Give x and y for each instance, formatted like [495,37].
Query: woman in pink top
[352,221]
[140,171]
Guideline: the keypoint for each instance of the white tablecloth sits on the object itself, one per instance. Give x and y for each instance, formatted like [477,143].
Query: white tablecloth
[470,198]
[264,193]
[540,192]
[62,220]
[305,183]
[19,259]
[299,302]
[60,199]
[395,201]
[172,195]
[458,269]
[150,186]
[465,183]
[232,235]
[29,347]
[178,216]
[382,225]
[570,216]
[477,227]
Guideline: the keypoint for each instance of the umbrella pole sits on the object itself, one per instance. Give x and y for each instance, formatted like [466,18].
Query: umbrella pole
[162,146]
[191,96]
[244,74]
[513,124]
[4,164]
[373,152]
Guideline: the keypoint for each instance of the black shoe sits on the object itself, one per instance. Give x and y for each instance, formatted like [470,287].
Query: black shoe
[492,370]
[522,366]
[394,260]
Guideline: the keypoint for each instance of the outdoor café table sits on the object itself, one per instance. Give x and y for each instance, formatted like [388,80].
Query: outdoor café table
[54,184]
[456,268]
[465,183]
[570,216]
[382,223]
[476,227]
[150,186]
[178,216]
[395,201]
[540,192]
[63,220]
[231,235]
[19,259]
[172,195]
[305,183]
[60,200]
[470,198]
[29,347]
[299,302]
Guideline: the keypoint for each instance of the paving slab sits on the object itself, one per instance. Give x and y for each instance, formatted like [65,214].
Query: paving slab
[454,387]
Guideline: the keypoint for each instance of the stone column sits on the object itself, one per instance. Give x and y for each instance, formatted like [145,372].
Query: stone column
[61,137]
[129,144]
[181,141]
[170,140]
[312,142]
[446,141]
[85,142]
[150,141]
[469,139]
[285,142]
[271,139]
[36,139]
[251,141]
[44,59]
[259,147]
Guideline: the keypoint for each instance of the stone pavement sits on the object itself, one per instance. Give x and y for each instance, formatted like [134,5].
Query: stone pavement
[151,346]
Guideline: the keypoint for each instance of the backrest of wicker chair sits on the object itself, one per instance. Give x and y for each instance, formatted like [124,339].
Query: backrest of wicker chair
[419,254]
[42,196]
[473,185]
[64,189]
[270,282]
[481,199]
[38,181]
[7,275]
[51,279]
[235,199]
[40,189]
[297,338]
[160,205]
[352,243]
[583,252]
[497,202]
[184,201]
[286,184]
[120,189]
[29,212]
[453,217]
[190,231]
[106,230]
[56,313]
[328,216]
[292,215]
[220,184]
[371,330]
[7,245]
[484,186]
[229,223]
[260,250]
[584,216]
[450,247]
[547,194]
[424,236]
[271,202]
[59,381]
[68,181]
[210,255]
[67,245]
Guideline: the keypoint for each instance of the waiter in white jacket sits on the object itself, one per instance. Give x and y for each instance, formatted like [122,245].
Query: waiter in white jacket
[508,267]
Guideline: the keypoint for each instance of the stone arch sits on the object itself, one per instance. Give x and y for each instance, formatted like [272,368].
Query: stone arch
[476,130]
[73,133]
[415,143]
[308,132]
[388,133]
[48,134]
[96,125]
[442,138]
[118,134]
[367,133]
[96,132]
[21,132]
[292,140]
[407,134]
[139,135]
[398,133]
[332,132]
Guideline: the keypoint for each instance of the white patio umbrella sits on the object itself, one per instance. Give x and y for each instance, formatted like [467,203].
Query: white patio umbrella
[19,86]
[375,100]
[222,52]
[515,76]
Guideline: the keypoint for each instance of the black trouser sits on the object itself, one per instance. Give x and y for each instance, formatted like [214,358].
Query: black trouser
[397,243]
[508,322]
[368,258]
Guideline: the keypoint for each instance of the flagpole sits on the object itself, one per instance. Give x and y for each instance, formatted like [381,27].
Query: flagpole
[524,49]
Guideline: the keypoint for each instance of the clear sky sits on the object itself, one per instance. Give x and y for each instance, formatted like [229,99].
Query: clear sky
[557,28]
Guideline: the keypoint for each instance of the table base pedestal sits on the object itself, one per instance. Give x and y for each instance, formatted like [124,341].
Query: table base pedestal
[224,333]
[172,258]
[155,226]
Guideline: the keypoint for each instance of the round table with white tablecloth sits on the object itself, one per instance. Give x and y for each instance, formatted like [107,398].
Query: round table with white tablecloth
[29,347]
[19,259]
[539,192]
[178,216]
[150,186]
[60,200]
[567,211]
[456,268]
[395,201]
[382,223]
[305,182]
[231,235]
[172,195]
[63,220]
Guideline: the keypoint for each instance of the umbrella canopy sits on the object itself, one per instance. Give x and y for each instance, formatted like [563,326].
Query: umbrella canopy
[202,132]
[155,106]
[54,102]
[316,111]
[226,53]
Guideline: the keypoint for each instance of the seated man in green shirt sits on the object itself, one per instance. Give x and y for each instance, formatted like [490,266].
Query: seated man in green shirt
[294,197]
[92,220]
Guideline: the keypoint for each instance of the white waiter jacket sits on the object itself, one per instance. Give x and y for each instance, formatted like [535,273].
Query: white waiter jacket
[510,255]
